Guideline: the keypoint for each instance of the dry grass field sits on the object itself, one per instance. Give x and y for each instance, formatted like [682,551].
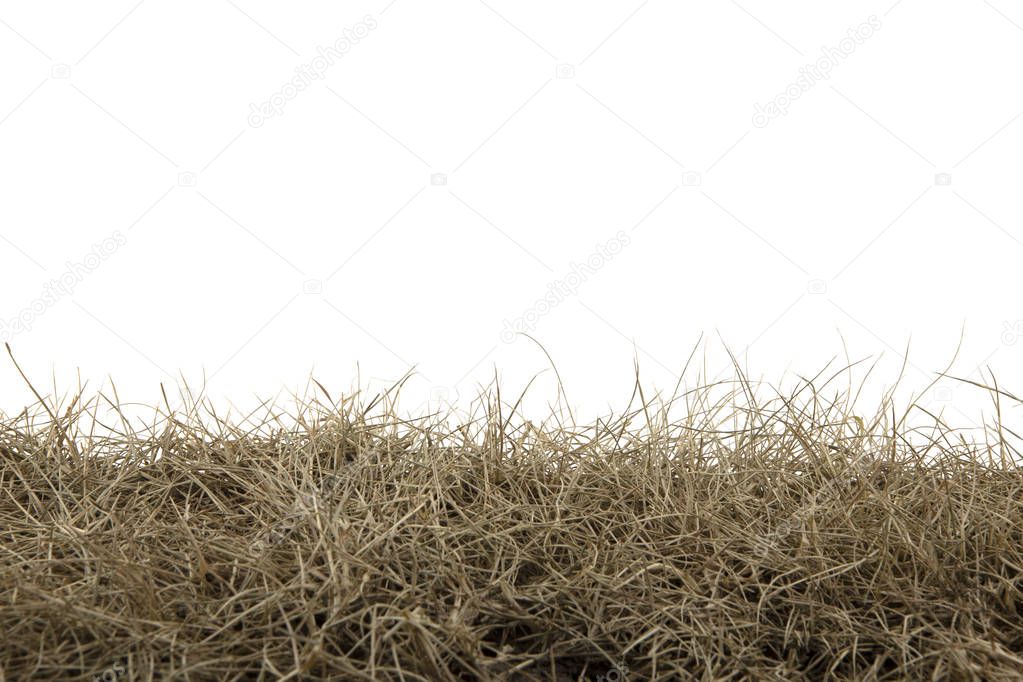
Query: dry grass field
[786,537]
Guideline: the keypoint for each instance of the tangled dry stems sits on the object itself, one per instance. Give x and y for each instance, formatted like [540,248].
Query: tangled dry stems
[778,539]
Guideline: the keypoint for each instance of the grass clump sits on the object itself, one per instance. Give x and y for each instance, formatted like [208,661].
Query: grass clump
[777,538]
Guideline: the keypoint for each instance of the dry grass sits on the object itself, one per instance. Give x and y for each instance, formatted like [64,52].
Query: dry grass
[775,538]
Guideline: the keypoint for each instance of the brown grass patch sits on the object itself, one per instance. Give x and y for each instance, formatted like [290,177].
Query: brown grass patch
[776,539]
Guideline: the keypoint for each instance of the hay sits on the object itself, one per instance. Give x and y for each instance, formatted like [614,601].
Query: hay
[769,539]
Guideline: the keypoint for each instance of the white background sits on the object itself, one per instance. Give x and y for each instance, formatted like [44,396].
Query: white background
[323,242]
